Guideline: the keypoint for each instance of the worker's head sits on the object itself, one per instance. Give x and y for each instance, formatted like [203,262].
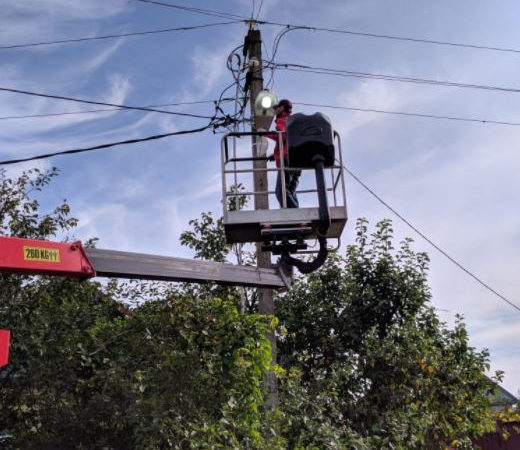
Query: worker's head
[283,106]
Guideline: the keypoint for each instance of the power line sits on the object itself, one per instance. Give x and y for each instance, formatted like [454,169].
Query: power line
[439,249]
[316,105]
[372,76]
[402,113]
[207,12]
[92,102]
[113,36]
[240,19]
[224,14]
[90,111]
[103,146]
[392,37]
[260,9]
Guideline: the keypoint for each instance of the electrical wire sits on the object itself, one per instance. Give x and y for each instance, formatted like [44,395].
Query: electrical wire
[223,14]
[429,241]
[392,37]
[259,10]
[276,43]
[239,102]
[229,62]
[237,116]
[92,102]
[277,40]
[315,105]
[90,111]
[103,146]
[240,19]
[402,113]
[372,76]
[207,12]
[113,36]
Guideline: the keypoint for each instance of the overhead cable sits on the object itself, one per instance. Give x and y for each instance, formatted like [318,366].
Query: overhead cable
[367,75]
[392,37]
[259,10]
[92,102]
[113,36]
[316,105]
[423,236]
[253,10]
[224,14]
[207,12]
[90,111]
[402,113]
[103,146]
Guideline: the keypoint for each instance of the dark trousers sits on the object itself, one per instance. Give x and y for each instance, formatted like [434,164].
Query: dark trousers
[292,178]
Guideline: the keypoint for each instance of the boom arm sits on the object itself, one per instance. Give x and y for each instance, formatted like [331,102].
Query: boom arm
[32,257]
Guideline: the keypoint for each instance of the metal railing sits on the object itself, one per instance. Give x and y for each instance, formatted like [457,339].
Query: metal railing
[230,168]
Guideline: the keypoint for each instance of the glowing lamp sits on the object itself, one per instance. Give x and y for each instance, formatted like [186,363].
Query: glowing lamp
[264,109]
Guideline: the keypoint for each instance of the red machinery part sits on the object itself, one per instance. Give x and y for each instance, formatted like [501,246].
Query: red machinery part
[33,257]
[5,336]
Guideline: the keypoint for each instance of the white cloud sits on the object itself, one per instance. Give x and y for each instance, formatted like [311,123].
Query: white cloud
[509,365]
[50,16]
[112,223]
[95,62]
[208,66]
[497,333]
[25,140]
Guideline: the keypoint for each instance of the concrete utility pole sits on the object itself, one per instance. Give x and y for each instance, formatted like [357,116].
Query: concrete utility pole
[261,201]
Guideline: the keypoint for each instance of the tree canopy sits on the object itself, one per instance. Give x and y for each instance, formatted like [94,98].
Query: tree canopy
[364,340]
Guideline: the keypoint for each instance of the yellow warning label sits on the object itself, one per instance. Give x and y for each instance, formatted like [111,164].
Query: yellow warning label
[41,254]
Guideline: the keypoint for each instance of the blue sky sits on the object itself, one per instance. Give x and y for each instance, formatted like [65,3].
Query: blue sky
[456,181]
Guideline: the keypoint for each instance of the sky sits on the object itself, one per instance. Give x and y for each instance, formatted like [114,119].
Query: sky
[456,181]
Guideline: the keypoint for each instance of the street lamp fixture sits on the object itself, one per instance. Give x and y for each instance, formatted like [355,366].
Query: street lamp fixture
[264,109]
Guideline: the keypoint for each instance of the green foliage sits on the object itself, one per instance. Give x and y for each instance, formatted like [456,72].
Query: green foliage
[207,238]
[239,200]
[364,362]
[312,417]
[174,373]
[193,379]
[45,394]
[370,348]
[19,213]
[86,372]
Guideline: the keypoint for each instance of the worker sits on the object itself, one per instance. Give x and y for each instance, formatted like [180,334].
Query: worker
[292,177]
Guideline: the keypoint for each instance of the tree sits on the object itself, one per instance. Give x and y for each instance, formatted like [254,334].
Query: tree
[175,371]
[208,241]
[41,390]
[369,349]
[365,361]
